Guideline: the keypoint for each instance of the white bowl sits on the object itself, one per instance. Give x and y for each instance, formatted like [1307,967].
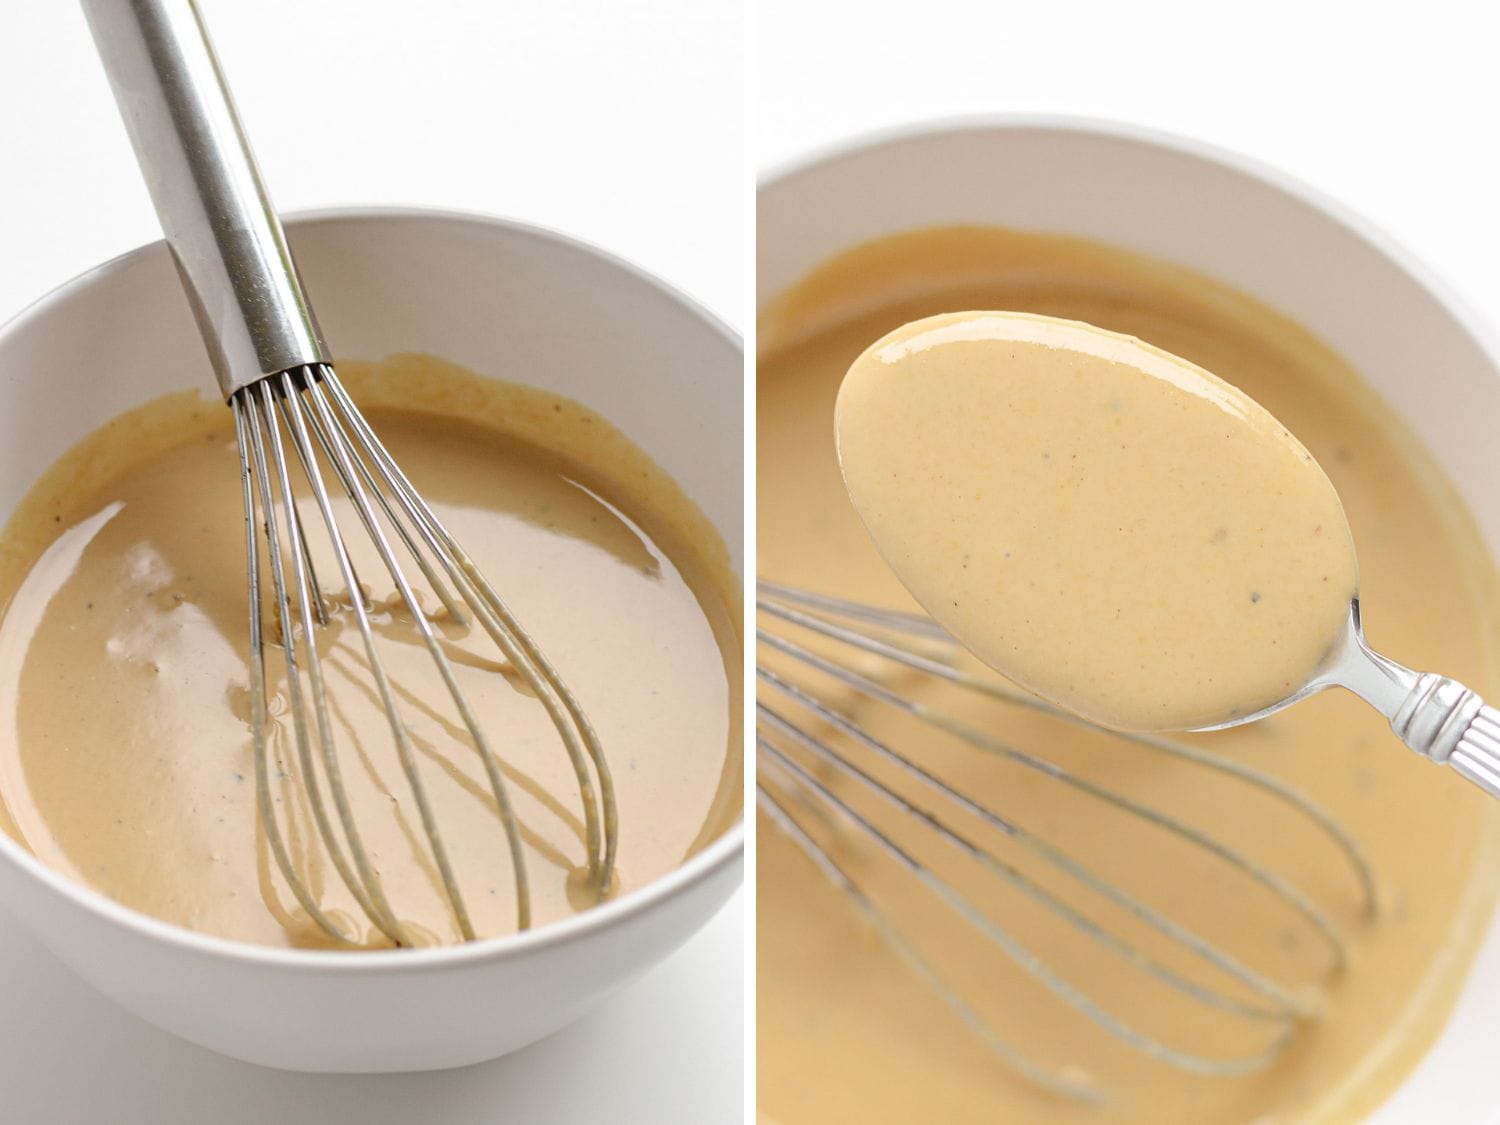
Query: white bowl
[505,300]
[1247,225]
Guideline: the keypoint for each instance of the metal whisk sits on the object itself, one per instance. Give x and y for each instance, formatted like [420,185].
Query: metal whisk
[273,368]
[826,667]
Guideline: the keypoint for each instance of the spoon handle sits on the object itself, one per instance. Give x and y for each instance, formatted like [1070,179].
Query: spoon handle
[1477,755]
[1447,722]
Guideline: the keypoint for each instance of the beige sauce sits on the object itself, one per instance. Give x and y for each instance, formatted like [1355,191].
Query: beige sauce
[124,693]
[1118,530]
[846,1031]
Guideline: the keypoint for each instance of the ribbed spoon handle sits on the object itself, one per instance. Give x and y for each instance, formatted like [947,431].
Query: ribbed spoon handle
[1447,722]
[1477,755]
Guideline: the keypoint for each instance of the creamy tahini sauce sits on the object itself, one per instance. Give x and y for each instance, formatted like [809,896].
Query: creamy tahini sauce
[1113,527]
[126,761]
[846,1031]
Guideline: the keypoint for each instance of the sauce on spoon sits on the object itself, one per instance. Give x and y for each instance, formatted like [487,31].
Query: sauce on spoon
[1112,527]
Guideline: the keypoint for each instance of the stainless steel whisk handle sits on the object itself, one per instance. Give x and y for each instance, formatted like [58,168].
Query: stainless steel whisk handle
[214,209]
[1447,722]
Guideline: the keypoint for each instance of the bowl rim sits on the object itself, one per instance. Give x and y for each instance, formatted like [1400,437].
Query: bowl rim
[1147,136]
[717,855]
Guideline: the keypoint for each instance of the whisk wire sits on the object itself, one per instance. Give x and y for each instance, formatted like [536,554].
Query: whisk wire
[1060,1084]
[568,717]
[368,889]
[338,449]
[435,583]
[844,622]
[327,433]
[1285,1006]
[989,686]
[308,577]
[396,723]
[981,740]
[1016,950]
[251,426]
[257,672]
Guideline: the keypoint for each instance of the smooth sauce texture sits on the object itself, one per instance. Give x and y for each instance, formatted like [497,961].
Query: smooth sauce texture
[123,682]
[846,1031]
[1108,525]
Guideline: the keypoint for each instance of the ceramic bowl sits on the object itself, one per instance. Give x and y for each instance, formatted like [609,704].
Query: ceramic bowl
[497,297]
[1244,224]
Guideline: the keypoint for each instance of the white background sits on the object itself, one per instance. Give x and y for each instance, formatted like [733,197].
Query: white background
[1396,115]
[618,123]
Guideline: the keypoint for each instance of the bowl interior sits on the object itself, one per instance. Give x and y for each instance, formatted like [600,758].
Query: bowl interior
[502,299]
[1246,225]
[1217,214]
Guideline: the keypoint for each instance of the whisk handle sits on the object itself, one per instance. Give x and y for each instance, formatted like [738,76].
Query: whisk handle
[214,209]
[1447,722]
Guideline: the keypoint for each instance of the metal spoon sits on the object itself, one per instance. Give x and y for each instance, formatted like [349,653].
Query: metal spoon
[1436,716]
